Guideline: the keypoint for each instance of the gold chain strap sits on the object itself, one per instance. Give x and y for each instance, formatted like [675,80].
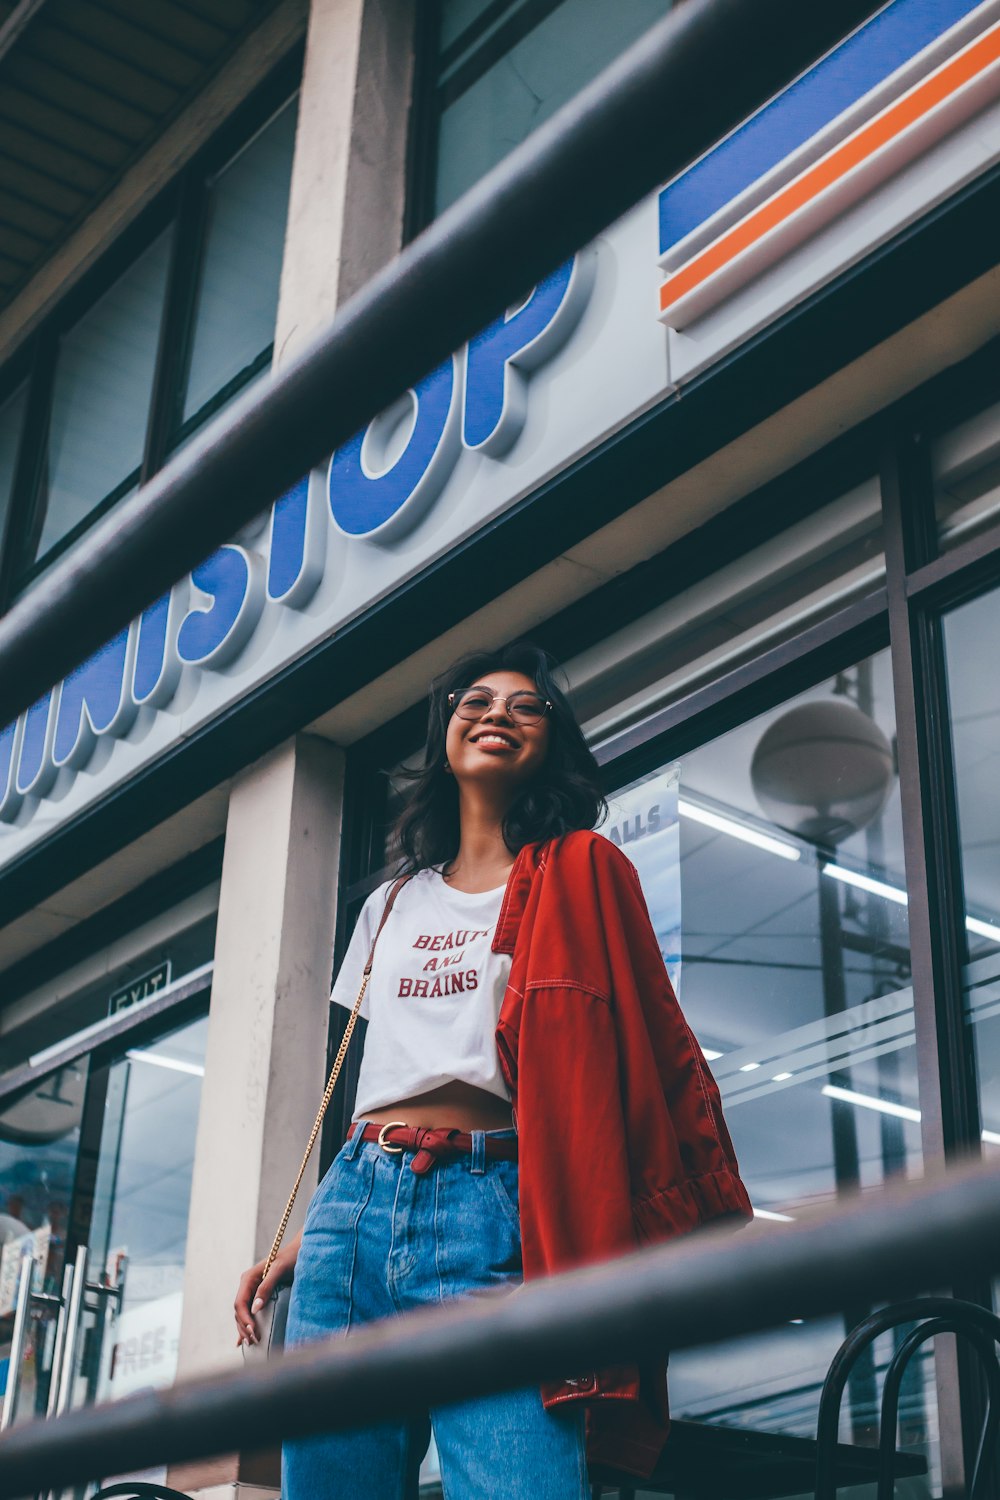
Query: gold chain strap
[334,1073]
[338,1063]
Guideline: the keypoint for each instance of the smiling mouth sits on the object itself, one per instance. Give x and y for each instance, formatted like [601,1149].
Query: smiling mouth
[503,741]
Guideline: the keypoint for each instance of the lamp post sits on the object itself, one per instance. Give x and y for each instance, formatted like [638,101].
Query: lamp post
[825,771]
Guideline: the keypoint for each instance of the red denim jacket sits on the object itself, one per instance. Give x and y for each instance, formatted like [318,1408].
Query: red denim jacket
[594,1046]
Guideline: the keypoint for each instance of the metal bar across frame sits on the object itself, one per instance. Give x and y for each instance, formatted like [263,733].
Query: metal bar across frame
[710,1287]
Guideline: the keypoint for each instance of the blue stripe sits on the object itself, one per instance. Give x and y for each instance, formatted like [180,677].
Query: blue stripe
[881,46]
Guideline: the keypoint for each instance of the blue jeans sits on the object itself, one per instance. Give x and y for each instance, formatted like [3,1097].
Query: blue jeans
[379,1240]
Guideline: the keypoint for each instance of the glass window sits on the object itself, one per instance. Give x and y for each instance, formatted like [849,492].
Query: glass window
[970,634]
[11,422]
[39,1149]
[39,1138]
[95,381]
[966,463]
[237,296]
[100,399]
[100,1154]
[142,1191]
[489,106]
[772,863]
[458,15]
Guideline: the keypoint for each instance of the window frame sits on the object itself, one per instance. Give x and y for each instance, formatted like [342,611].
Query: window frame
[181,210]
[438,82]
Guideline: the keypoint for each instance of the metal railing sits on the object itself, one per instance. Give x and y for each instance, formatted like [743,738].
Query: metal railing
[687,82]
[702,1290]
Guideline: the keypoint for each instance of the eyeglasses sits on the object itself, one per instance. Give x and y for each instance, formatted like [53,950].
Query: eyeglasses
[476,703]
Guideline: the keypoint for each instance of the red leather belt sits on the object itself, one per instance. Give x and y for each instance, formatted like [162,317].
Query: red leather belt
[430,1146]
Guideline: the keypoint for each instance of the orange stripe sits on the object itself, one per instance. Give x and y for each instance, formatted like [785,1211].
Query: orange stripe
[836,165]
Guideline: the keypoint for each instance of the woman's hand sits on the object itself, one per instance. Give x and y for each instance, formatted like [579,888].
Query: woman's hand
[255,1289]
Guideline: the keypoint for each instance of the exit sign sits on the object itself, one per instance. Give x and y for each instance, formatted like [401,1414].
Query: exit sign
[143,987]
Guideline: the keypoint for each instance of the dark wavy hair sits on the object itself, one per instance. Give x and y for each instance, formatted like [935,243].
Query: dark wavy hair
[564,795]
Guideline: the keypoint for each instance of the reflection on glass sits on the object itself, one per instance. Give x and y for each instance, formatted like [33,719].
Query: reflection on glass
[772,862]
[812,569]
[538,74]
[966,466]
[142,1191]
[11,422]
[39,1144]
[100,398]
[458,15]
[241,263]
[974,691]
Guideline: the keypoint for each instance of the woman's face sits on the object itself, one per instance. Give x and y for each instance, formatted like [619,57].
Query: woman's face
[497,746]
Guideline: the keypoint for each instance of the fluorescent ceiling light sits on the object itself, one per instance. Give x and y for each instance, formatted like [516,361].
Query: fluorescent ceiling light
[780,1077]
[737,830]
[893,893]
[765,1213]
[159,1061]
[886,1107]
[870,1101]
[749,1067]
[983,929]
[710,1054]
[866,883]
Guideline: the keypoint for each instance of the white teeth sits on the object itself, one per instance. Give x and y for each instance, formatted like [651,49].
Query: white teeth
[495,739]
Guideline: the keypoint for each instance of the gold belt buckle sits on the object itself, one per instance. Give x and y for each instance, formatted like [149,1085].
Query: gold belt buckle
[386,1145]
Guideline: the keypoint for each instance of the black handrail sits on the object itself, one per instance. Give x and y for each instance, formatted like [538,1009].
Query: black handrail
[696,1292]
[689,80]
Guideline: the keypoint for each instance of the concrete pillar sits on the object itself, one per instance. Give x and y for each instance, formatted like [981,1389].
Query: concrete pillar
[348,191]
[267,1033]
[270,1014]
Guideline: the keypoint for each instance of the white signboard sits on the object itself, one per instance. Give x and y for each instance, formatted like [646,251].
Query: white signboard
[32,1242]
[643,821]
[143,1352]
[578,358]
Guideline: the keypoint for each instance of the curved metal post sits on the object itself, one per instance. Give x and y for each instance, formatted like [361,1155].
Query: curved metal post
[917,1310]
[138,1490]
[985,1347]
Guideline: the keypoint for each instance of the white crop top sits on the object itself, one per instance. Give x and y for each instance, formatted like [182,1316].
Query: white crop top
[434,994]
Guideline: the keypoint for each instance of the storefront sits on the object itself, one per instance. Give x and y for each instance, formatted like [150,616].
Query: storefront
[736,465]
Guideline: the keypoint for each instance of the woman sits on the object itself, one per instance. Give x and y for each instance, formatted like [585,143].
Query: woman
[517,971]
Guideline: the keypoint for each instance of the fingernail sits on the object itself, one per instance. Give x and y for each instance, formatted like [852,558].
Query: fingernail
[258,1304]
